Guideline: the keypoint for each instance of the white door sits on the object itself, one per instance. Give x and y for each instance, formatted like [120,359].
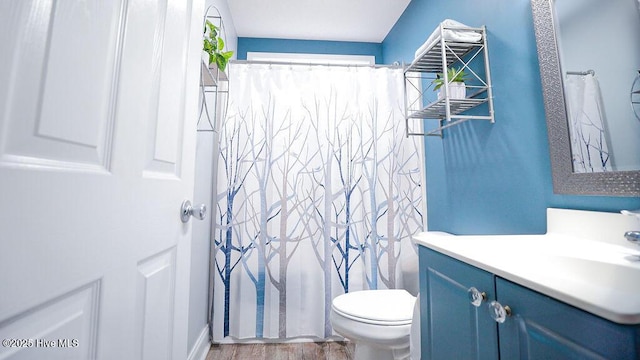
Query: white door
[98,104]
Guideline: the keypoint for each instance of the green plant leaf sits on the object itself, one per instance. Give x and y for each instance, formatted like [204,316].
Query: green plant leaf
[213,30]
[206,46]
[456,75]
[214,45]
[227,55]
[438,81]
[220,44]
[221,62]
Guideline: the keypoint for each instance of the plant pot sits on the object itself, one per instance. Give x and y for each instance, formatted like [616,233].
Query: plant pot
[457,91]
[211,75]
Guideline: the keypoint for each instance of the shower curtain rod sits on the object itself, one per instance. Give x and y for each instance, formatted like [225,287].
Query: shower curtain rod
[263,62]
[588,72]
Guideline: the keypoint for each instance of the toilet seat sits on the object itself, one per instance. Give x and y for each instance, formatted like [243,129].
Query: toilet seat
[379,307]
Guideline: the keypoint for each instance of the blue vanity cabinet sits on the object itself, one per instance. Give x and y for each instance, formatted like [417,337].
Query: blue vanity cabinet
[451,327]
[539,327]
[544,328]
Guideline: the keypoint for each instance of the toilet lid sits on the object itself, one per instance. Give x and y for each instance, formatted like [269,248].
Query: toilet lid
[394,306]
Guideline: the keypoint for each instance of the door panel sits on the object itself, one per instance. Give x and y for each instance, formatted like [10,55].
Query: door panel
[76,93]
[60,108]
[452,327]
[62,324]
[156,285]
[166,126]
[544,328]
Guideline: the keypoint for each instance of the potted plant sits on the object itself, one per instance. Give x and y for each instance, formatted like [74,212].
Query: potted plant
[214,45]
[456,86]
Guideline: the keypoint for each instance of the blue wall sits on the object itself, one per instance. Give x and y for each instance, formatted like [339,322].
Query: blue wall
[483,178]
[308,47]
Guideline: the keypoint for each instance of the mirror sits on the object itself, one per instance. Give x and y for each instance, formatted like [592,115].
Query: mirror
[598,76]
[617,160]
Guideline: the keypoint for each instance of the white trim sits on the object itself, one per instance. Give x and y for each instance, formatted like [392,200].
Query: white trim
[324,59]
[302,339]
[201,347]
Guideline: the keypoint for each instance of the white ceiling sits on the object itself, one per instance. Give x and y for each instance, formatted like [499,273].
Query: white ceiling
[337,20]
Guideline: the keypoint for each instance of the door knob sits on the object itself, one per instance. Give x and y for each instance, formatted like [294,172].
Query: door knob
[186,211]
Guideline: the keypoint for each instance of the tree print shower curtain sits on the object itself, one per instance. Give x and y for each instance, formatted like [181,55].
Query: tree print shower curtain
[318,194]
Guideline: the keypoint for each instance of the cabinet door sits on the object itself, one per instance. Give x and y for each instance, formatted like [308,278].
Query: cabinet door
[451,327]
[543,328]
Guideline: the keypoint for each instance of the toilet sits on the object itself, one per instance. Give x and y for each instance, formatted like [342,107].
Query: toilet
[383,324]
[379,322]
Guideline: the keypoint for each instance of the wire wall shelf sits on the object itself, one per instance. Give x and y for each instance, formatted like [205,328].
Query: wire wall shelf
[444,54]
[438,109]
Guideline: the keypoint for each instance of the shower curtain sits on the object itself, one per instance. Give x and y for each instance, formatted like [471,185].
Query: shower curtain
[589,149]
[318,194]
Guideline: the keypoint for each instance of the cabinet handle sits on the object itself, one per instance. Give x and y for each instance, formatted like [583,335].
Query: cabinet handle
[498,312]
[476,297]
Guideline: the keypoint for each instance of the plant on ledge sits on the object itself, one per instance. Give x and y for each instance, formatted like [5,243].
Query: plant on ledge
[213,45]
[453,74]
[456,87]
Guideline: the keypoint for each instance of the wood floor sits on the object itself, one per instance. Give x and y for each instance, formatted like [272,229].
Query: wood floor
[333,350]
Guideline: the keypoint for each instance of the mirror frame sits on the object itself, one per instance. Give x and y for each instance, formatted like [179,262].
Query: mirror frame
[565,181]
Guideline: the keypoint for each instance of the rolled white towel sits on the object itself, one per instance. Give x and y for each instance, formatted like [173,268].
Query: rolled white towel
[450,35]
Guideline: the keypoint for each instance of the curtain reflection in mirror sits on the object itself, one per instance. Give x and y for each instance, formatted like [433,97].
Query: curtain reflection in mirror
[589,145]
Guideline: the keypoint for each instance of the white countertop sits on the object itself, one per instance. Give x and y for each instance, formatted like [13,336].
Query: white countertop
[602,278]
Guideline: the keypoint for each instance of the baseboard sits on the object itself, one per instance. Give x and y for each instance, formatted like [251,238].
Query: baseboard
[232,340]
[201,347]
